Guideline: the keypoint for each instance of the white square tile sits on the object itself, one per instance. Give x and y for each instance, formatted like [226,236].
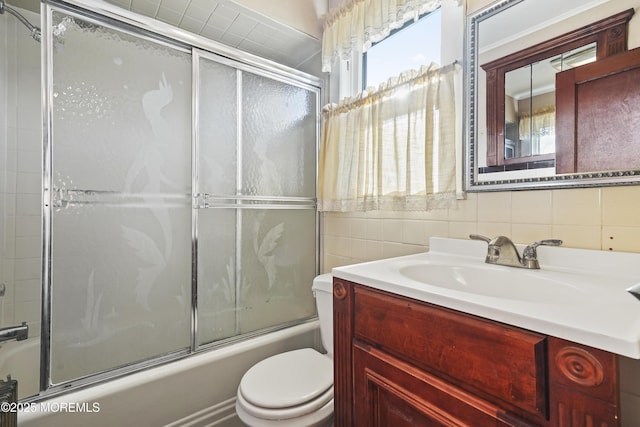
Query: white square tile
[226,12]
[125,4]
[414,232]
[204,4]
[577,207]
[622,239]
[219,22]
[374,250]
[10,184]
[8,269]
[231,39]
[27,290]
[29,161]
[9,247]
[27,311]
[621,206]
[29,183]
[374,229]
[176,5]
[8,314]
[145,7]
[28,247]
[461,230]
[578,236]
[261,33]
[211,32]
[169,16]
[436,229]
[28,226]
[392,230]
[27,269]
[531,207]
[11,160]
[494,207]
[359,228]
[359,249]
[191,24]
[242,26]
[28,204]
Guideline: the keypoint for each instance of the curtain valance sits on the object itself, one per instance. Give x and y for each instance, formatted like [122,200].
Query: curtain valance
[356,24]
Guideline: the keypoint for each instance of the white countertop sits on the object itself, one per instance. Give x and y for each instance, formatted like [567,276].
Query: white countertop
[578,295]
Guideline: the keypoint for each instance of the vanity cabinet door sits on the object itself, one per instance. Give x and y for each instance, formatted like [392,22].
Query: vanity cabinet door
[390,392]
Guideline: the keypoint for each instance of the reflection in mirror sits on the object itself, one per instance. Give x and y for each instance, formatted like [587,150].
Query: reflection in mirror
[530,113]
[515,50]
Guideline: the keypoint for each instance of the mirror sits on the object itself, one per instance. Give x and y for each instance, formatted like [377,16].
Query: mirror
[530,105]
[515,48]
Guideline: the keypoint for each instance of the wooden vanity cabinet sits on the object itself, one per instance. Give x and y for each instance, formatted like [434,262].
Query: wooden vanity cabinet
[402,362]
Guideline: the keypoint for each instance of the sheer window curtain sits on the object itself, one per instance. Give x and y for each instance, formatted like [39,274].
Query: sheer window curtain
[542,122]
[395,148]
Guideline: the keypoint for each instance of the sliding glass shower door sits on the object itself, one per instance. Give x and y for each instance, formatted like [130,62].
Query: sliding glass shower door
[255,198]
[121,186]
[179,191]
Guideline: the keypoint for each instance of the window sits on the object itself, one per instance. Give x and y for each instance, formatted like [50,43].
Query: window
[409,47]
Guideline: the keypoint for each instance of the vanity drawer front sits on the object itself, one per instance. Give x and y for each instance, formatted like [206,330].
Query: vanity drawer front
[498,362]
[392,393]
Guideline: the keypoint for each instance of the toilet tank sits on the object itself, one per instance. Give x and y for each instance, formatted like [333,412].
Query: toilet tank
[323,293]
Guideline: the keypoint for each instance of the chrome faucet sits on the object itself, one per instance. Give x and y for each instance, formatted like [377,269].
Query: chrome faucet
[502,251]
[18,333]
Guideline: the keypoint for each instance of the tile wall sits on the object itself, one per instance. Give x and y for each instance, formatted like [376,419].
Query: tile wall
[605,218]
[20,175]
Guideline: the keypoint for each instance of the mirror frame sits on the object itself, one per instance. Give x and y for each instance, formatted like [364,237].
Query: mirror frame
[472,184]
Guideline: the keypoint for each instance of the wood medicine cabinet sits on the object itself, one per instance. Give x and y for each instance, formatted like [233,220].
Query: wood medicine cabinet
[598,115]
[604,38]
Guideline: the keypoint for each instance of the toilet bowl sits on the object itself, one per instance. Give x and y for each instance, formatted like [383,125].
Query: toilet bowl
[294,388]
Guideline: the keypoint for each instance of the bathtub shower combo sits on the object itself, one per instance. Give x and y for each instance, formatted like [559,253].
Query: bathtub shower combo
[174,195]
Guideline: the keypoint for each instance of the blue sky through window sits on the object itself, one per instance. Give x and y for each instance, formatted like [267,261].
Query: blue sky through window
[409,48]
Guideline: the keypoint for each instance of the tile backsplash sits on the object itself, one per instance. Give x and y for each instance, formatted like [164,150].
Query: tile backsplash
[606,218]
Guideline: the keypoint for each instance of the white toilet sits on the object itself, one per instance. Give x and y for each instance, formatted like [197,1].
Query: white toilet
[294,388]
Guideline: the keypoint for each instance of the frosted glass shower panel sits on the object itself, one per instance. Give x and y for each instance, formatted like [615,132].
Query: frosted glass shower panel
[121,198]
[278,138]
[121,286]
[256,232]
[278,266]
[217,275]
[217,127]
[255,270]
[121,111]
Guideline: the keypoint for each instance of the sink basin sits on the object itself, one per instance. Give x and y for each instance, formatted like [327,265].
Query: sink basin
[578,295]
[499,282]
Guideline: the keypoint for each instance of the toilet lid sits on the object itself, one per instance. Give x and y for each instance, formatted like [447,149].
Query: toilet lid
[287,379]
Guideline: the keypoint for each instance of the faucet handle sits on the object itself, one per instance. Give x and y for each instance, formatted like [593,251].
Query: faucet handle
[530,251]
[479,237]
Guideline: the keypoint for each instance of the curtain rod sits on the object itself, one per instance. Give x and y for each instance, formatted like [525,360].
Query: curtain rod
[359,99]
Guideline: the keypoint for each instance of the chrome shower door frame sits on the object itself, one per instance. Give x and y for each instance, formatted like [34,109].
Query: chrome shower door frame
[108,15]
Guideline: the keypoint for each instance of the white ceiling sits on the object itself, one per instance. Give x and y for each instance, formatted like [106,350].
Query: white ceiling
[235,25]
[285,31]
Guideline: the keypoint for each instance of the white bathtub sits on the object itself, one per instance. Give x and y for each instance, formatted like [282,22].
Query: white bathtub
[21,360]
[197,391]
